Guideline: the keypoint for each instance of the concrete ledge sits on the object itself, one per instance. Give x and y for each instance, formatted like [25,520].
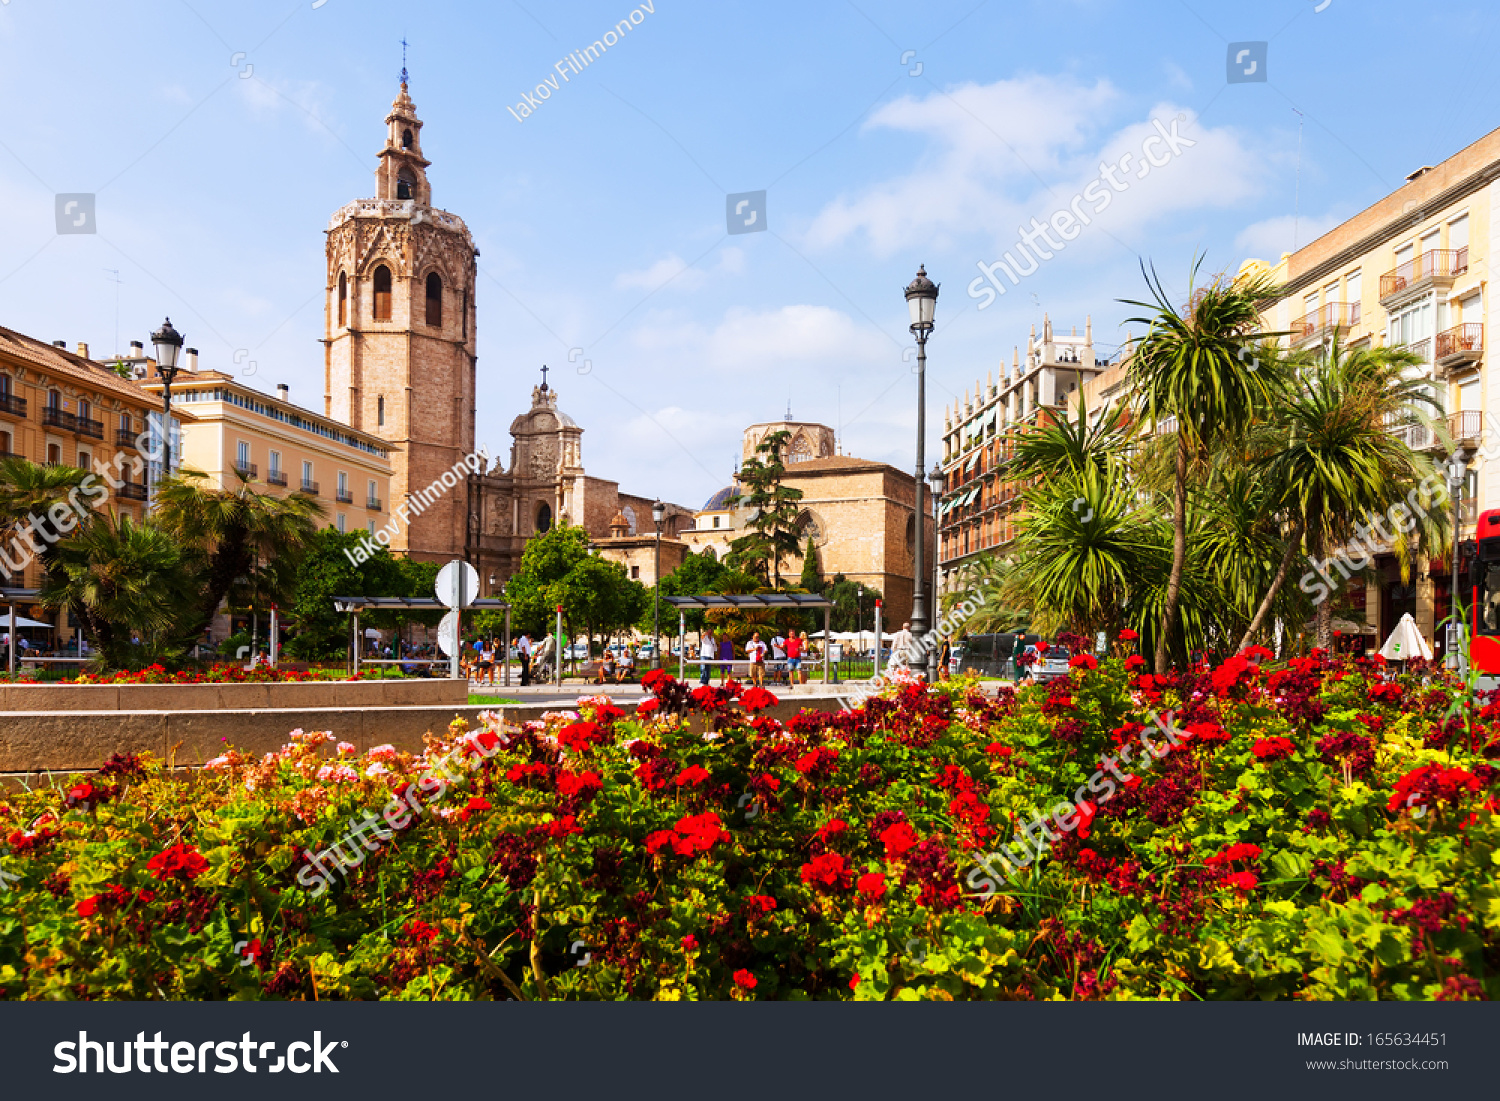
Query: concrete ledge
[63,741]
[234,697]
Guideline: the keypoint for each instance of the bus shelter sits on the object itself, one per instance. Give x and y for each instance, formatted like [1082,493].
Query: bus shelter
[750,602]
[354,605]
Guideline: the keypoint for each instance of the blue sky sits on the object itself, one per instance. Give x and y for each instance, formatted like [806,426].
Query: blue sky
[601,217]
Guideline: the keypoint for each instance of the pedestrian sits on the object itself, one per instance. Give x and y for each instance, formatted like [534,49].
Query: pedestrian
[794,650]
[807,655]
[755,650]
[945,656]
[486,661]
[707,650]
[726,658]
[523,648]
[901,642]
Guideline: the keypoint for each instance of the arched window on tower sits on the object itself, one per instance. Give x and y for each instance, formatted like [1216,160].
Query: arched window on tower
[380,411]
[466,313]
[382,293]
[406,184]
[434,298]
[406,138]
[543,518]
[343,300]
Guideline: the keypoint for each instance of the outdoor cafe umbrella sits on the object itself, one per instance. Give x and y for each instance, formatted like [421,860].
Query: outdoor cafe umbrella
[21,621]
[1406,642]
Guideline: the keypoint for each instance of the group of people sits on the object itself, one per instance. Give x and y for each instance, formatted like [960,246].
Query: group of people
[620,668]
[484,658]
[788,652]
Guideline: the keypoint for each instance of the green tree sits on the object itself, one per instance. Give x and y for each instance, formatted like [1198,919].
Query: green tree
[850,612]
[772,537]
[812,578]
[42,505]
[1196,376]
[547,560]
[322,632]
[236,538]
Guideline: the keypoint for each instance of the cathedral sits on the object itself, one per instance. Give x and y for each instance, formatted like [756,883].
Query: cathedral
[400,362]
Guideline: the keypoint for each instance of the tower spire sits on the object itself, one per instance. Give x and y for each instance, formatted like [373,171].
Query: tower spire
[403,62]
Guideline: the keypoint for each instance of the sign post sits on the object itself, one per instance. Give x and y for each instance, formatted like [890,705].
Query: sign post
[457,585]
[557,675]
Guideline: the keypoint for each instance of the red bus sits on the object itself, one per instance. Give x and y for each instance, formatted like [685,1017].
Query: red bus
[1483,583]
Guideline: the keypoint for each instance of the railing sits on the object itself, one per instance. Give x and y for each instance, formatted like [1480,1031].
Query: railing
[309,487]
[1467,424]
[1328,316]
[373,504]
[249,470]
[1467,339]
[344,497]
[13,405]
[276,478]
[1438,263]
[1416,436]
[9,454]
[125,438]
[87,427]
[132,491]
[59,418]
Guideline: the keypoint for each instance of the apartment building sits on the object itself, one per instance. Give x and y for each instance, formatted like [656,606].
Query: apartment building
[61,408]
[980,503]
[1411,271]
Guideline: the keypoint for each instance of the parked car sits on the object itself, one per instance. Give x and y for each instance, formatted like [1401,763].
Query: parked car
[990,655]
[1051,664]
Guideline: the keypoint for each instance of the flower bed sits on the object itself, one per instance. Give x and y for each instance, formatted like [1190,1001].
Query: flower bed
[1312,831]
[215,674]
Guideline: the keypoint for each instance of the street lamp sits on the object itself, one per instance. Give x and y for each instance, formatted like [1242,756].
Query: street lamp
[935,479]
[1458,476]
[921,300]
[168,343]
[658,517]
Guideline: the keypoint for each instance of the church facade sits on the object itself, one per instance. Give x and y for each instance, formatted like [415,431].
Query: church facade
[401,363]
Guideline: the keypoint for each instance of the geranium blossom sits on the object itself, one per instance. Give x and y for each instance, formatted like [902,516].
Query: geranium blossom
[827,872]
[181,862]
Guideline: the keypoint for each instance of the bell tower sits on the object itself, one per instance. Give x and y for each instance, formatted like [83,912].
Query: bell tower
[399,346]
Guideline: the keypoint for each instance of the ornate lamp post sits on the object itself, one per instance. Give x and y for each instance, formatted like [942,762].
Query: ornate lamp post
[168,343]
[658,517]
[921,300]
[935,479]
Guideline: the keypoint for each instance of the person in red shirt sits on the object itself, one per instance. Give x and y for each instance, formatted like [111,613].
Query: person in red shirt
[793,659]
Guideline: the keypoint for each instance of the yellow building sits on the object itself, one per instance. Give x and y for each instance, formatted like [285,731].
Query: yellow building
[283,447]
[1411,270]
[63,409]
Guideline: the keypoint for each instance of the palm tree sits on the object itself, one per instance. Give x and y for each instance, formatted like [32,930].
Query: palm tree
[1005,607]
[1196,366]
[29,492]
[122,580]
[1334,460]
[233,537]
[1066,445]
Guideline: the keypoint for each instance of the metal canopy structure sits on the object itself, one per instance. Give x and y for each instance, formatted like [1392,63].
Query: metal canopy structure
[12,597]
[747,602]
[354,605]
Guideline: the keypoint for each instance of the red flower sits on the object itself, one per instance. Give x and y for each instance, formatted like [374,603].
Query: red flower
[872,886]
[1083,661]
[1134,662]
[827,872]
[1258,653]
[757,699]
[179,862]
[759,905]
[1127,635]
[88,907]
[1432,784]
[1086,813]
[744,979]
[693,835]
[995,749]
[646,707]
[691,776]
[476,804]
[583,784]
[690,943]
[1227,676]
[1207,732]
[1273,749]
[1385,693]
[655,679]
[579,736]
[899,839]
[831,829]
[1242,881]
[854,982]
[659,840]
[706,698]
[1239,851]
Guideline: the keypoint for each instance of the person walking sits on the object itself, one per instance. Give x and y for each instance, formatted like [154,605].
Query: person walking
[726,658]
[794,650]
[755,650]
[707,650]
[901,643]
[523,648]
[945,658]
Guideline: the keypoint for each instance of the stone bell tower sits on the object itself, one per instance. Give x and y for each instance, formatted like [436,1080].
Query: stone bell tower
[399,347]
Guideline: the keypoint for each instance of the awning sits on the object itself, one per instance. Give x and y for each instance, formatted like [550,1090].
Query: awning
[21,621]
[408,603]
[970,464]
[711,601]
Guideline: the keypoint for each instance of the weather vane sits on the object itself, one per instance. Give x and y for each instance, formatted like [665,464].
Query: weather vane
[403,61]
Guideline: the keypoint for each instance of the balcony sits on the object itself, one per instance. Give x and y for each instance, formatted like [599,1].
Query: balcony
[1329,319]
[59,418]
[1437,267]
[276,478]
[310,488]
[132,491]
[9,454]
[1466,426]
[246,470]
[1460,346]
[12,405]
[124,437]
[1416,436]
[344,497]
[87,427]
[373,504]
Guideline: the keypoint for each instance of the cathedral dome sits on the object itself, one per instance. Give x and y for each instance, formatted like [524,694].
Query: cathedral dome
[719,502]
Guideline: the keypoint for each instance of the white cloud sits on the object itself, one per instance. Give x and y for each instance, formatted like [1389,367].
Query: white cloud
[674,269]
[1268,239]
[756,342]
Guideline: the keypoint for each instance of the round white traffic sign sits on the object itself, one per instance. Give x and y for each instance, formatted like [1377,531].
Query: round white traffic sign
[457,585]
